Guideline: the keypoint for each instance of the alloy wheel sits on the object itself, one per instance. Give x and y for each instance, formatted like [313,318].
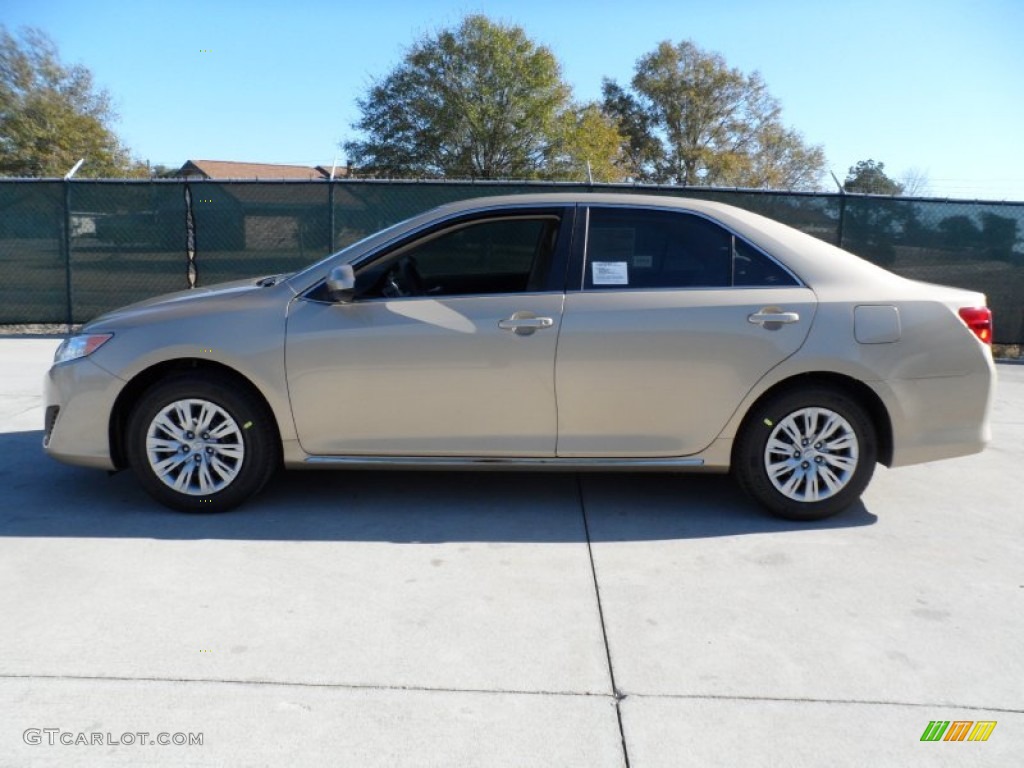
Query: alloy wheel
[195,447]
[811,454]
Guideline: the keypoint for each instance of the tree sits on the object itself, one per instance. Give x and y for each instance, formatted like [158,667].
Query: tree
[51,115]
[480,101]
[915,182]
[869,177]
[641,150]
[689,119]
[161,171]
[587,145]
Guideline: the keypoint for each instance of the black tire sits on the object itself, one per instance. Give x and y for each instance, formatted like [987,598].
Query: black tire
[856,458]
[250,433]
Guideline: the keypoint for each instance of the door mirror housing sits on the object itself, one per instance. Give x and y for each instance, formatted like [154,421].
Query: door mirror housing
[341,283]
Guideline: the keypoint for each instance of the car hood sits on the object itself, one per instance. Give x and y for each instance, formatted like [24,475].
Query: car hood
[193,301]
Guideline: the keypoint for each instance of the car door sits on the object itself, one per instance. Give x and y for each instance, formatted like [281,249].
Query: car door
[447,349]
[675,320]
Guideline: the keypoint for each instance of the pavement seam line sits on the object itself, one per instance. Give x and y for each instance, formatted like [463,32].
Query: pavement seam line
[616,695]
[808,700]
[19,413]
[295,684]
[513,692]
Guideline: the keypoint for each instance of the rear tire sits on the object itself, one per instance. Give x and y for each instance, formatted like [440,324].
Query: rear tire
[806,454]
[200,443]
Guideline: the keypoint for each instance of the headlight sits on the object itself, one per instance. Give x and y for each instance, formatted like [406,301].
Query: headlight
[80,346]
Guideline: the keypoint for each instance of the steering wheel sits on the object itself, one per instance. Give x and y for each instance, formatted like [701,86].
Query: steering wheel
[403,279]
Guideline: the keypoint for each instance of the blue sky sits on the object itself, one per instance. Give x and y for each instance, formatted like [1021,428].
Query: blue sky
[928,85]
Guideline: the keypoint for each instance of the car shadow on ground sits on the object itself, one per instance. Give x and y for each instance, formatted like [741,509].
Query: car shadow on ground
[44,498]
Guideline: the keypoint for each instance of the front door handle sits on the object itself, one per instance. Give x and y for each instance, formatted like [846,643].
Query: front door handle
[773,317]
[525,323]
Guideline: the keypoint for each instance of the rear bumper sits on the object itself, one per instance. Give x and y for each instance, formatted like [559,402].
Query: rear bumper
[939,418]
[79,398]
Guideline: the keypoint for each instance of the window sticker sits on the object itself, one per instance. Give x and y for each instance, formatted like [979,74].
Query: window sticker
[643,261]
[610,273]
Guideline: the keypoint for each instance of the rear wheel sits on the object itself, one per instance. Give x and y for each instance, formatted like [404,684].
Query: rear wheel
[807,454]
[199,443]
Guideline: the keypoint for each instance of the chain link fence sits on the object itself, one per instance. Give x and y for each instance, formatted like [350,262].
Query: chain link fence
[71,250]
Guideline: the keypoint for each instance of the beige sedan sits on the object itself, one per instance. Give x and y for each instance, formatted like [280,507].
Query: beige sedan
[555,331]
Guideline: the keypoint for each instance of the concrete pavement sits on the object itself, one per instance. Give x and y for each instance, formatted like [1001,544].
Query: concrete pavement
[490,619]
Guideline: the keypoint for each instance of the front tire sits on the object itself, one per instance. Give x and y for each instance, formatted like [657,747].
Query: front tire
[200,443]
[806,454]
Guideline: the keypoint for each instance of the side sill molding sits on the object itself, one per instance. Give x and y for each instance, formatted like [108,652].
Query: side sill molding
[501,462]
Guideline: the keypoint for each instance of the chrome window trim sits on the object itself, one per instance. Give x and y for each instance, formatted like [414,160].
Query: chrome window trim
[700,214]
[693,288]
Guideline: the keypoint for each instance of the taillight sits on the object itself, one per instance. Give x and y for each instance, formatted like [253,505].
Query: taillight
[979,320]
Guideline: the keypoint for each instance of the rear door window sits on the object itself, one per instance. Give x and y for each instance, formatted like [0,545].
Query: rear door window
[651,249]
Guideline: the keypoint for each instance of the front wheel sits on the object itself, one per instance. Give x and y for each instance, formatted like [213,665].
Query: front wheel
[806,454]
[199,443]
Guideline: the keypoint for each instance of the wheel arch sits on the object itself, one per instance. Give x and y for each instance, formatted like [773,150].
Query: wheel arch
[848,385]
[142,381]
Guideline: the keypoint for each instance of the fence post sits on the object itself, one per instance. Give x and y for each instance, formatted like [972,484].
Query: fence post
[330,213]
[191,272]
[842,214]
[66,247]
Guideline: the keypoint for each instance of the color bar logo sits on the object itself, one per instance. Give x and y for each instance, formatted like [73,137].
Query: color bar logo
[958,730]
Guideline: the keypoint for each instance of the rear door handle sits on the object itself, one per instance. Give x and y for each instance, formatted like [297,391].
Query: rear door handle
[765,317]
[525,323]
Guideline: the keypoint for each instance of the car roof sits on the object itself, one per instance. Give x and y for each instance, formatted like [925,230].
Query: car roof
[589,198]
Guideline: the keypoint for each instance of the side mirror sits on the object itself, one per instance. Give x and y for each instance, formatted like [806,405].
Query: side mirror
[341,283]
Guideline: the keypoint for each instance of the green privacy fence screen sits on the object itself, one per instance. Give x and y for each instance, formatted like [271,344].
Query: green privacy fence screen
[71,250]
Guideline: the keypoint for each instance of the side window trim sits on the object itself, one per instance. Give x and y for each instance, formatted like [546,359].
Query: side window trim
[580,255]
[732,258]
[577,267]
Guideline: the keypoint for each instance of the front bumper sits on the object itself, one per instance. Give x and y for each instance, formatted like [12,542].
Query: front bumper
[79,397]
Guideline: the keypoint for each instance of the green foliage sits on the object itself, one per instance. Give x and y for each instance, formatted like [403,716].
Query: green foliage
[869,177]
[641,150]
[160,171]
[585,137]
[481,101]
[689,119]
[51,115]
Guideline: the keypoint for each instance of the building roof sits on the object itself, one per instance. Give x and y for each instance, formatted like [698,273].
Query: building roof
[228,169]
[340,171]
